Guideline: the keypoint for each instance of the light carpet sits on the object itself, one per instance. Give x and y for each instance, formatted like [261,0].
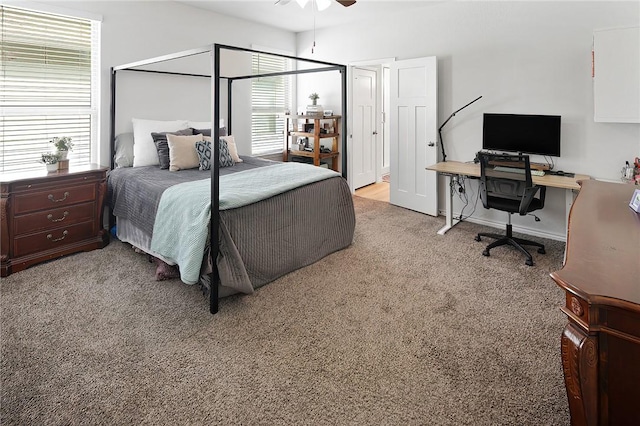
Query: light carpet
[403,327]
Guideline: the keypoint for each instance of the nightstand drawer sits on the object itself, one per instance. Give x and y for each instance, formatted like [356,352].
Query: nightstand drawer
[53,198]
[52,239]
[53,218]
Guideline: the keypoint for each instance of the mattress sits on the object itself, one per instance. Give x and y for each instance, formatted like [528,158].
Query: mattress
[258,242]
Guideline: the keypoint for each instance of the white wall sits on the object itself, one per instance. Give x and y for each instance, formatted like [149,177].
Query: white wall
[522,57]
[137,30]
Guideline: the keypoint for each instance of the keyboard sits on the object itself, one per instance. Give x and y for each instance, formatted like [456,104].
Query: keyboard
[517,170]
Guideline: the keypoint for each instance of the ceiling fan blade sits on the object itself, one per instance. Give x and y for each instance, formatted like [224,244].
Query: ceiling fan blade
[346,3]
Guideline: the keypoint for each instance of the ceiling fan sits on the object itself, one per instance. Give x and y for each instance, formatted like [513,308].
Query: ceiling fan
[321,4]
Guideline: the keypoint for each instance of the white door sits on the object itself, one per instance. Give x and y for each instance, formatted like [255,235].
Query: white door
[413,117]
[363,127]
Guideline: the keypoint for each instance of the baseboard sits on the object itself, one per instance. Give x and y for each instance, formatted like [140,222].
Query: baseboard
[523,230]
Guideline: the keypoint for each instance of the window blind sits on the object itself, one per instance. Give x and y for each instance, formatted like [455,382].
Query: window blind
[270,96]
[48,86]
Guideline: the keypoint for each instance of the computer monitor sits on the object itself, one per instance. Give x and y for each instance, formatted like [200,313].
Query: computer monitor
[522,133]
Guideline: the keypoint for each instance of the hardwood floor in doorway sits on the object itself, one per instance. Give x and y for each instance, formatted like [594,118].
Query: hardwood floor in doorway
[376,191]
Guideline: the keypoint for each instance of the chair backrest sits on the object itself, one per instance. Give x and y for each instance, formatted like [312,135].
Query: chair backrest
[498,186]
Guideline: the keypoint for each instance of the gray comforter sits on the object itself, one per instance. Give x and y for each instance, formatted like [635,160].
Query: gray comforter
[258,242]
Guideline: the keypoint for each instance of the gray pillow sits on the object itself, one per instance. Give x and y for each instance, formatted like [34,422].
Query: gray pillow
[207,132]
[123,157]
[160,139]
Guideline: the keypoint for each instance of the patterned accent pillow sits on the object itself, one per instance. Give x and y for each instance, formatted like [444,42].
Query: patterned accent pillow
[162,146]
[225,156]
[204,154]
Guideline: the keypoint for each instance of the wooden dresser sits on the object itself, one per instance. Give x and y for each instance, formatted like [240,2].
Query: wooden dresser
[48,215]
[600,345]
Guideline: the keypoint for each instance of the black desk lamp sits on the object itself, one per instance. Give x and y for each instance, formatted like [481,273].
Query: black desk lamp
[444,156]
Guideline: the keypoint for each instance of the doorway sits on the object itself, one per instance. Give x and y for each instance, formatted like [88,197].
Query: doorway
[378,191]
[369,129]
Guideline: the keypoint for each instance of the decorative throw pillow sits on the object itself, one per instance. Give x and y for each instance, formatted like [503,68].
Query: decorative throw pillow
[233,148]
[207,132]
[144,150]
[226,157]
[204,154]
[162,146]
[182,152]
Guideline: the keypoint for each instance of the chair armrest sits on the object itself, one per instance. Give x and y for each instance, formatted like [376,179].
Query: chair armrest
[527,197]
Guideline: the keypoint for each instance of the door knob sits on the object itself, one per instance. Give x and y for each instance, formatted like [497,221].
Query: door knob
[431,144]
[375,133]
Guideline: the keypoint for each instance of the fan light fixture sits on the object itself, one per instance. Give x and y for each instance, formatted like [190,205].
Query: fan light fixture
[323,4]
[320,4]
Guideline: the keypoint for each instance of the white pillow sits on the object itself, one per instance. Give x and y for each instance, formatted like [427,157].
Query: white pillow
[233,149]
[145,152]
[123,157]
[182,152]
[200,124]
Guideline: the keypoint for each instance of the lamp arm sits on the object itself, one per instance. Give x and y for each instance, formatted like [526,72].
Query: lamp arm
[444,156]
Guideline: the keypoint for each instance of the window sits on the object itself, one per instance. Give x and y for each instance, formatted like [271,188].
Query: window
[48,86]
[270,96]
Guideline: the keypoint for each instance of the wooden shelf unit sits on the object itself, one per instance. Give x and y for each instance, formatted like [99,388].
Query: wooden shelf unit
[290,138]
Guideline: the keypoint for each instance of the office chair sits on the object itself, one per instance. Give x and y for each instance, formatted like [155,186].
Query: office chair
[509,192]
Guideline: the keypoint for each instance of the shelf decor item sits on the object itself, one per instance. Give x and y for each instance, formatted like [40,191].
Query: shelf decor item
[314,108]
[63,145]
[50,160]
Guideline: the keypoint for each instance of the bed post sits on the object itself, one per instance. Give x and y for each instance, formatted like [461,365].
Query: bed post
[229,95]
[214,223]
[343,74]
[112,142]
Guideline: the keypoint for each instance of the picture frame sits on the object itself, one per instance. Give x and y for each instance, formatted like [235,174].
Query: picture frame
[635,201]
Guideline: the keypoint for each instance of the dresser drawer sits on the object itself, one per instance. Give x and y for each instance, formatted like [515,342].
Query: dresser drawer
[52,239]
[53,198]
[53,218]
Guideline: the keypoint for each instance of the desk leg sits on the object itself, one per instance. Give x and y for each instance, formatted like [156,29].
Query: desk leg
[449,221]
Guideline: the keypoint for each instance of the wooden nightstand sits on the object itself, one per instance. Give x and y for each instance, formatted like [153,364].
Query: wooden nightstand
[49,215]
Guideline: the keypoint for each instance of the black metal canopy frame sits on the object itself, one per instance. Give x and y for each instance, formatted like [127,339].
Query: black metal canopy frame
[215,51]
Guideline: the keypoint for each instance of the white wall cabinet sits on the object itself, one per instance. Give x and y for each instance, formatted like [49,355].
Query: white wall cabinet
[616,75]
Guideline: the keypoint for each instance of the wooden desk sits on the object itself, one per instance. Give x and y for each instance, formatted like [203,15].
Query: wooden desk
[456,168]
[601,279]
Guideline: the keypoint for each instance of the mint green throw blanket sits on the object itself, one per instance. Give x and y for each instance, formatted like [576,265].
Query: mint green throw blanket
[180,230]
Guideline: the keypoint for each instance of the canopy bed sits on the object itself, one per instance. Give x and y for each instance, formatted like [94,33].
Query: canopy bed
[236,222]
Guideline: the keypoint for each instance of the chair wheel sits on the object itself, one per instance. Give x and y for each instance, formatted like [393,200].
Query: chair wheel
[485,253]
[541,250]
[529,262]
[477,238]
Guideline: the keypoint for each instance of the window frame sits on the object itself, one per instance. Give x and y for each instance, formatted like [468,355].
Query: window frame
[290,97]
[93,111]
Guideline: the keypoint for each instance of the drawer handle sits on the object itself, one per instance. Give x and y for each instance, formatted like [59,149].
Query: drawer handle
[64,197]
[64,216]
[64,234]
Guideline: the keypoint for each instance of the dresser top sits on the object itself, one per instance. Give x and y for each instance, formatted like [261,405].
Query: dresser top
[602,259]
[42,173]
